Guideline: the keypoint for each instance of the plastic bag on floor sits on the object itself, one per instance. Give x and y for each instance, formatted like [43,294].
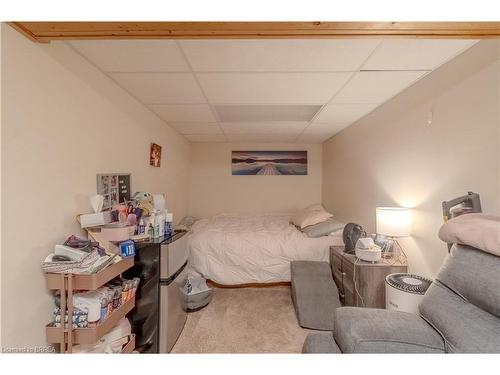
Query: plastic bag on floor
[197,293]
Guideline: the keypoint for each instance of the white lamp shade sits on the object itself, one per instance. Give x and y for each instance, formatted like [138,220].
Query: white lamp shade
[394,221]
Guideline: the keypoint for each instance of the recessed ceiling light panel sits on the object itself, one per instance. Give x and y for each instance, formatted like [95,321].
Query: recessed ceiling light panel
[260,113]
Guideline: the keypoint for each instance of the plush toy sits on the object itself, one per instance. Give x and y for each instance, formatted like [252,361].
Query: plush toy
[144,201]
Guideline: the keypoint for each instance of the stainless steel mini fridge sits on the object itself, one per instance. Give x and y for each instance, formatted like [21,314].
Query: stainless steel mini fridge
[160,310]
[173,277]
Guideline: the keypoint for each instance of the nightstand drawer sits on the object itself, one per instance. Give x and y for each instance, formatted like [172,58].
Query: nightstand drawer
[366,286]
[341,265]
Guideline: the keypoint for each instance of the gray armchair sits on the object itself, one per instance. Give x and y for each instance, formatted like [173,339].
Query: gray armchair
[460,313]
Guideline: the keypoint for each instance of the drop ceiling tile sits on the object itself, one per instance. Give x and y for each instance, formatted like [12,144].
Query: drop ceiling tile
[264,138]
[376,87]
[161,88]
[277,55]
[320,128]
[271,88]
[343,113]
[184,112]
[415,54]
[133,55]
[206,137]
[196,128]
[256,113]
[278,127]
[314,138]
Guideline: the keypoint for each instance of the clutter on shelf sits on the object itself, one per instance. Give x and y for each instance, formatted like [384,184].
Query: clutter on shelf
[78,256]
[144,217]
[95,306]
[110,343]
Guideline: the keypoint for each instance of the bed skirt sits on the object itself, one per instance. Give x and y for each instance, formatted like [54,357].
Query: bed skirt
[249,285]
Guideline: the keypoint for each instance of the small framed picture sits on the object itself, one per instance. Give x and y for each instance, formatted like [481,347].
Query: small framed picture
[155,155]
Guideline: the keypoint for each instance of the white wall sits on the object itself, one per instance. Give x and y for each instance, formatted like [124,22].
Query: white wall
[214,190]
[63,121]
[393,157]
[0,186]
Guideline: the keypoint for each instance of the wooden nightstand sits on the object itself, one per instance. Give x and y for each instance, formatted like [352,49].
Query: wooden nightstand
[369,278]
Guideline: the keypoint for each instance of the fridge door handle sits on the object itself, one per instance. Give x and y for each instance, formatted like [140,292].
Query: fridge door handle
[168,280]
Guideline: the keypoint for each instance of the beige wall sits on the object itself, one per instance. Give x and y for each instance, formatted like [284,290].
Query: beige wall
[393,157]
[214,190]
[62,122]
[0,186]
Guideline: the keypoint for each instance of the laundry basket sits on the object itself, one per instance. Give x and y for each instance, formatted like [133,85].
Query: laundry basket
[197,294]
[404,291]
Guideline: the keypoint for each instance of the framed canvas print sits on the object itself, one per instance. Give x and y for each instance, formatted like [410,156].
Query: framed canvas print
[155,155]
[269,163]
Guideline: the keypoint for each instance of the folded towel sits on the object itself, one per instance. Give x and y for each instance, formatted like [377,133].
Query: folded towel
[477,230]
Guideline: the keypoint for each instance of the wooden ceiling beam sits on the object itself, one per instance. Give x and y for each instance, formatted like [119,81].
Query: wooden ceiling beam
[47,31]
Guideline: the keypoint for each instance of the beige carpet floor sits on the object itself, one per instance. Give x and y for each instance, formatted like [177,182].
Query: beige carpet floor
[246,320]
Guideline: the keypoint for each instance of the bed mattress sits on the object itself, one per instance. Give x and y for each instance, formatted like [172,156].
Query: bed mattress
[242,249]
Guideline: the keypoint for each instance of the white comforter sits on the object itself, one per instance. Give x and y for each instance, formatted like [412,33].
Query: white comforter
[240,249]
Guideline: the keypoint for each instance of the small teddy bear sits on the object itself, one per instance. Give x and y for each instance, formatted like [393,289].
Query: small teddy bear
[144,201]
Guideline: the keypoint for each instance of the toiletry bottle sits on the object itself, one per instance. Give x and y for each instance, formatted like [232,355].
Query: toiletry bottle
[160,221]
[168,222]
[142,227]
[152,221]
[151,231]
[165,226]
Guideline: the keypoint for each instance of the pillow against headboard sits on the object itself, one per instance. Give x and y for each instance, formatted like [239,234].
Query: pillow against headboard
[315,207]
[306,218]
[324,228]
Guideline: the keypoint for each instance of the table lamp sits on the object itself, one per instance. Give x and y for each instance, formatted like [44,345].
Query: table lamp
[393,222]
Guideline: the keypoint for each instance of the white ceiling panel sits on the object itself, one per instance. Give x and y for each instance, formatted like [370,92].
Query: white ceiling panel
[206,137]
[266,90]
[278,127]
[279,55]
[415,54]
[196,127]
[318,128]
[264,138]
[343,113]
[376,87]
[313,138]
[184,112]
[133,55]
[258,113]
[159,88]
[271,88]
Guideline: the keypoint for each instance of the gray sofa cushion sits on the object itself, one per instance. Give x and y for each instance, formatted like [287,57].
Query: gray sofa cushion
[366,330]
[324,228]
[466,327]
[320,343]
[314,294]
[474,275]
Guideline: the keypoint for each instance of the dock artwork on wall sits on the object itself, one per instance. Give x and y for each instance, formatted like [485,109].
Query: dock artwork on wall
[269,163]
[155,155]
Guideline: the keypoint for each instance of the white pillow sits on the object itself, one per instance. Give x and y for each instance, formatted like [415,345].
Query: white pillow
[305,218]
[315,207]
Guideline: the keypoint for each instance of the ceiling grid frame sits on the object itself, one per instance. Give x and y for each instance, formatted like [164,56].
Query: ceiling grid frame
[212,109]
[333,97]
[210,103]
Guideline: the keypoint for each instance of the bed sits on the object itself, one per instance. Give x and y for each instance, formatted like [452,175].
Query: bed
[252,249]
